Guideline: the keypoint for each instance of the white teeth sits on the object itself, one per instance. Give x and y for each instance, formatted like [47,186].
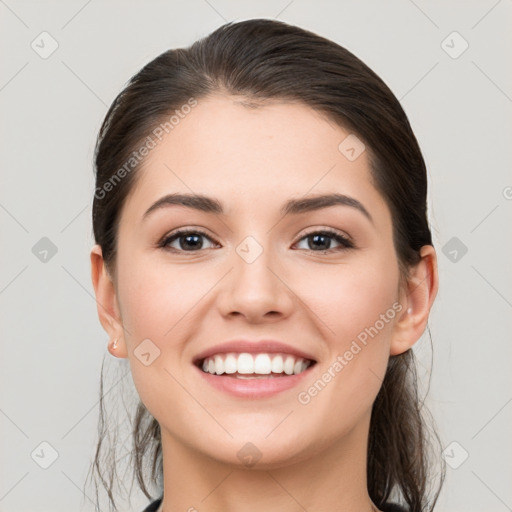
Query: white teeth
[245,363]
[219,365]
[230,365]
[262,364]
[254,364]
[289,362]
[277,364]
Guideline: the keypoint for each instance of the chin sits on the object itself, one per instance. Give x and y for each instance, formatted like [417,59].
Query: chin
[260,453]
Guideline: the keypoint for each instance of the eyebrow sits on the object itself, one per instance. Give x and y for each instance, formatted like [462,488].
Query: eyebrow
[291,207]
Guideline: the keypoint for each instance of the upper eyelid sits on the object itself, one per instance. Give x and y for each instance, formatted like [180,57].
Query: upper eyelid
[181,231]
[329,231]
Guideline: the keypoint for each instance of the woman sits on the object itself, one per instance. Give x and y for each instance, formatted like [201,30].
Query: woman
[263,260]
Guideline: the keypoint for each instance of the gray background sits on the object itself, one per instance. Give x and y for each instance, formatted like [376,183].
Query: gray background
[52,343]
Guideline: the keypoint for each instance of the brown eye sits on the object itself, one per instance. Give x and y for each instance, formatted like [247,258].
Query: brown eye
[187,240]
[318,241]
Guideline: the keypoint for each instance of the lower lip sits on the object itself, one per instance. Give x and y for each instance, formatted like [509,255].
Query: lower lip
[254,388]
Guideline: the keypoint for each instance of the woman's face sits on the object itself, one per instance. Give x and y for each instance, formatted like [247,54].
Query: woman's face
[258,273]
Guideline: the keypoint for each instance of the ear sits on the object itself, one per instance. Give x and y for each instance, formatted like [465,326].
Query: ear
[417,299]
[106,303]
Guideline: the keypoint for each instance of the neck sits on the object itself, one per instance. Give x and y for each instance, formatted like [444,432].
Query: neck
[332,480]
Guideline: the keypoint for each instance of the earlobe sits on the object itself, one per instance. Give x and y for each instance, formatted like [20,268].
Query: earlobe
[421,291]
[116,349]
[106,302]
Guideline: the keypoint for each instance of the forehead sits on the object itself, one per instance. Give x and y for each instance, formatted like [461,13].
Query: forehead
[249,155]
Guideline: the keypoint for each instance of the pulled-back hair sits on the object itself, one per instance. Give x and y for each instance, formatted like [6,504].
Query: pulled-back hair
[262,60]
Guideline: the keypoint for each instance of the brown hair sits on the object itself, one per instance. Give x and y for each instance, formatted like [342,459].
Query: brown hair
[264,59]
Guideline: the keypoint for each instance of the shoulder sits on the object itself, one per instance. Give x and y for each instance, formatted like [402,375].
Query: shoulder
[153,507]
[392,507]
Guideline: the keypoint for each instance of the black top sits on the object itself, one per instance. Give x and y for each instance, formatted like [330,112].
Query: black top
[391,507]
[153,507]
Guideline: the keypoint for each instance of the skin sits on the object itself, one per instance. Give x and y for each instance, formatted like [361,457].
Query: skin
[313,456]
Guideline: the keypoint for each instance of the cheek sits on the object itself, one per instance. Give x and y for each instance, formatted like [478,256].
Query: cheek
[156,303]
[356,304]
[350,299]
[159,305]
[154,299]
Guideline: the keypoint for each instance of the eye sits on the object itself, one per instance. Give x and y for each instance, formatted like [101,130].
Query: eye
[320,241]
[191,241]
[188,240]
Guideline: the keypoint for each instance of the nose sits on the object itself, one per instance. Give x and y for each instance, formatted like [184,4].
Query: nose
[256,288]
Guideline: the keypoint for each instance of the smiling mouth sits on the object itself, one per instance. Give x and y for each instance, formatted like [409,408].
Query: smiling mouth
[254,366]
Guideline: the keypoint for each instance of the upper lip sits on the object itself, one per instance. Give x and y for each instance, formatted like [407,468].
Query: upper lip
[252,347]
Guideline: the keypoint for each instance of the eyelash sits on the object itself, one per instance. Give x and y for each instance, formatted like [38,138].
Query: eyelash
[345,242]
